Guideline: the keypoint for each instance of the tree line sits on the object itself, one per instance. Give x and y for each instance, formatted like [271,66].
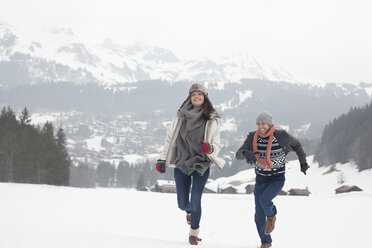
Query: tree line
[347,138]
[39,155]
[32,154]
[123,175]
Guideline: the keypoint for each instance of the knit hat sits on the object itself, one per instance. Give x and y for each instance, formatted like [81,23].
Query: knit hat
[198,87]
[265,117]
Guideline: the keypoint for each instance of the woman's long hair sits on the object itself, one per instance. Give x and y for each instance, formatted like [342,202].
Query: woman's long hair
[208,109]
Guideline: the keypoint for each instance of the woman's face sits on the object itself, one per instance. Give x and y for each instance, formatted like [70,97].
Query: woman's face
[263,127]
[197,99]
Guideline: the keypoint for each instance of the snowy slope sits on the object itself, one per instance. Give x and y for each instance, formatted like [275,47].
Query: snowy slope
[319,180]
[41,216]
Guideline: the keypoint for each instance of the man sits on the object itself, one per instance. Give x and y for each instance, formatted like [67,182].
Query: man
[267,148]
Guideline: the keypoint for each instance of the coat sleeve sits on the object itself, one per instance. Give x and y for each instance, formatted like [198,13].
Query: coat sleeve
[297,147]
[168,138]
[247,146]
[215,138]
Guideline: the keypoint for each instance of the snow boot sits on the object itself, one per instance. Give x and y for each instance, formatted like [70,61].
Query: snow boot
[270,224]
[193,236]
[265,245]
[188,218]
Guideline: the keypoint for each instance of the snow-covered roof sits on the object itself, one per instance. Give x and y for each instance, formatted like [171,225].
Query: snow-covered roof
[162,183]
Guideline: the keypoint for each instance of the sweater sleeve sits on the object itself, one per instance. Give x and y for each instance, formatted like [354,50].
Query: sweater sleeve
[247,146]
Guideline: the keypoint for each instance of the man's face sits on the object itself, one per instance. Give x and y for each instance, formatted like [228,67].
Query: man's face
[263,127]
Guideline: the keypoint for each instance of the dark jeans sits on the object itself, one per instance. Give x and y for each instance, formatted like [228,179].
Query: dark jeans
[264,193]
[183,184]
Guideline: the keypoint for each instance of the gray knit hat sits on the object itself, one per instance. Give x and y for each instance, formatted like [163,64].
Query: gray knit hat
[264,117]
[198,87]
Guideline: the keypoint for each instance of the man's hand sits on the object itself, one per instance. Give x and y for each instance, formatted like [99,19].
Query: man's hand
[304,167]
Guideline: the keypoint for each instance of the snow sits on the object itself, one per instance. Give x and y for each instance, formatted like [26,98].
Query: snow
[54,117]
[42,216]
[228,125]
[166,183]
[134,158]
[284,127]
[244,96]
[369,91]
[38,216]
[94,143]
[302,130]
[317,180]
[111,64]
[226,105]
[40,119]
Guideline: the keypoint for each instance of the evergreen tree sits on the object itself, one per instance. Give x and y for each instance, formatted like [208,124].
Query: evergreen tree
[31,155]
[123,175]
[25,117]
[105,174]
[82,176]
[347,138]
[141,182]
[10,147]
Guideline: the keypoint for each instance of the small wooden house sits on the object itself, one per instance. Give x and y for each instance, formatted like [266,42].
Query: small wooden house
[165,186]
[346,189]
[282,192]
[249,189]
[208,190]
[301,192]
[229,190]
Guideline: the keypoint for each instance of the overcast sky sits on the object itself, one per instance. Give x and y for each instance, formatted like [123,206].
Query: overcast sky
[317,40]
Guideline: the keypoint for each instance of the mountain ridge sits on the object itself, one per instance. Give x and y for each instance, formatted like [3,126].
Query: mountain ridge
[109,63]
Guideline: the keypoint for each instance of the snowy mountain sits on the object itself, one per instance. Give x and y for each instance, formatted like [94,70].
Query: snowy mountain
[36,216]
[55,55]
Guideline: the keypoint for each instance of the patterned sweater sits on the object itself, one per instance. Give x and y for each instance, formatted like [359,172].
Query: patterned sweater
[284,141]
[277,157]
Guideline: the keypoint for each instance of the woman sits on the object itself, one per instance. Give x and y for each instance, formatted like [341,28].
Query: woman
[267,148]
[191,146]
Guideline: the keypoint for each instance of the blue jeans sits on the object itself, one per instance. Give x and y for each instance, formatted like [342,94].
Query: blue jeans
[264,193]
[183,184]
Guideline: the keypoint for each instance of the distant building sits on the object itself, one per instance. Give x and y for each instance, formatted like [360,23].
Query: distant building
[229,190]
[282,192]
[235,183]
[165,186]
[346,189]
[143,188]
[301,192]
[208,190]
[249,189]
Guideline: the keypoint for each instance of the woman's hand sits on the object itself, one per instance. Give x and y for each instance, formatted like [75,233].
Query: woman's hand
[205,148]
[160,166]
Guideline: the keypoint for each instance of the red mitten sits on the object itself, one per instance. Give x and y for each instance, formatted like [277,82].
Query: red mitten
[205,148]
[160,166]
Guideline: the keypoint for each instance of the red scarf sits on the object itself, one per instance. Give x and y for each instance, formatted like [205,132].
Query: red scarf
[266,164]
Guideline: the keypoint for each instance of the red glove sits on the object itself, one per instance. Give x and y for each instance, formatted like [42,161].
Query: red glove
[205,148]
[160,166]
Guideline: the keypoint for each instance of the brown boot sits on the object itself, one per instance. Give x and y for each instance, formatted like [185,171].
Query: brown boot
[193,236]
[265,245]
[188,218]
[270,224]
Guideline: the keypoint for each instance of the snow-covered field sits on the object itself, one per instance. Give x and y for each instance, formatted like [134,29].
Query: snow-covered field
[41,216]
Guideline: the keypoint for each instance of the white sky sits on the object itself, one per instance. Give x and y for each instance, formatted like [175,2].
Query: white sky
[317,40]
